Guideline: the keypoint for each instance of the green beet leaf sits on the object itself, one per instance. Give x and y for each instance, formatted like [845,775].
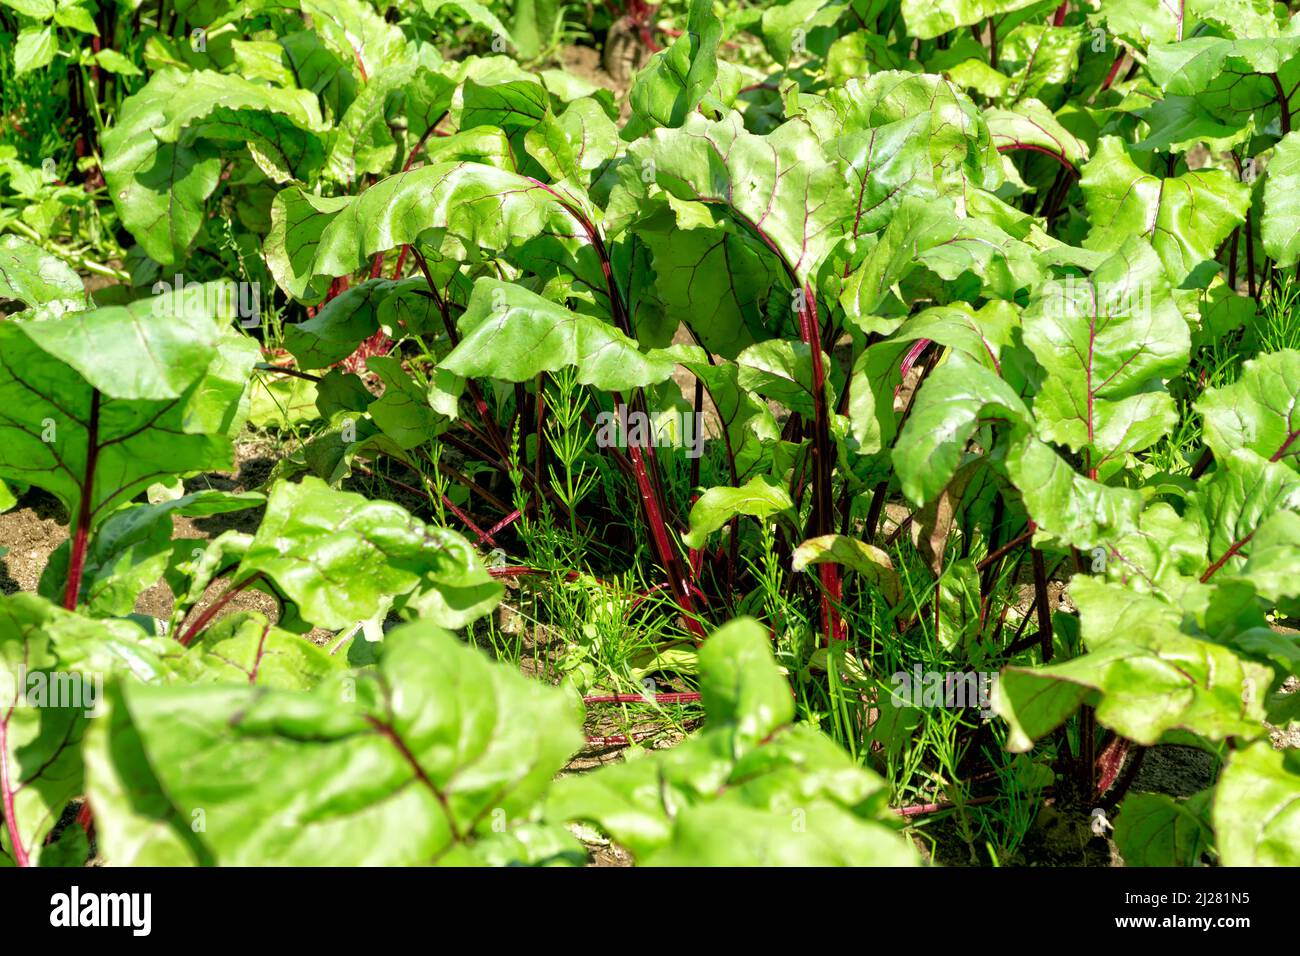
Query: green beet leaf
[513,334]
[761,497]
[316,238]
[397,765]
[53,669]
[750,789]
[1184,218]
[1106,344]
[98,405]
[1147,678]
[34,277]
[246,648]
[1154,829]
[778,185]
[132,549]
[339,557]
[1260,411]
[869,561]
[162,159]
[1257,807]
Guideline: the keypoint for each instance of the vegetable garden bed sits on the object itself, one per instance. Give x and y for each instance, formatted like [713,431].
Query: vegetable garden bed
[834,432]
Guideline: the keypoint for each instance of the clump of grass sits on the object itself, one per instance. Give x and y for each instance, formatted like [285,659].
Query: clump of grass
[1278,326]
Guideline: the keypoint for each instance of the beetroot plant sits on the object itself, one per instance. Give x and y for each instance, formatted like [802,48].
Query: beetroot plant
[986,316]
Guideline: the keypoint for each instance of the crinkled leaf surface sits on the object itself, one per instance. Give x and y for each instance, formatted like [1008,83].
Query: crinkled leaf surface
[513,334]
[1162,553]
[246,648]
[101,404]
[1153,21]
[780,185]
[34,277]
[932,235]
[162,162]
[1257,807]
[926,19]
[963,157]
[716,280]
[883,165]
[339,556]
[1149,678]
[574,144]
[389,766]
[1184,217]
[314,238]
[1107,343]
[1236,501]
[53,665]
[1066,506]
[1273,564]
[1260,411]
[1228,75]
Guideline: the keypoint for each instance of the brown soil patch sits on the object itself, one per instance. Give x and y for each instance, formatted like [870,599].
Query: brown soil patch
[31,534]
[586,64]
[39,525]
